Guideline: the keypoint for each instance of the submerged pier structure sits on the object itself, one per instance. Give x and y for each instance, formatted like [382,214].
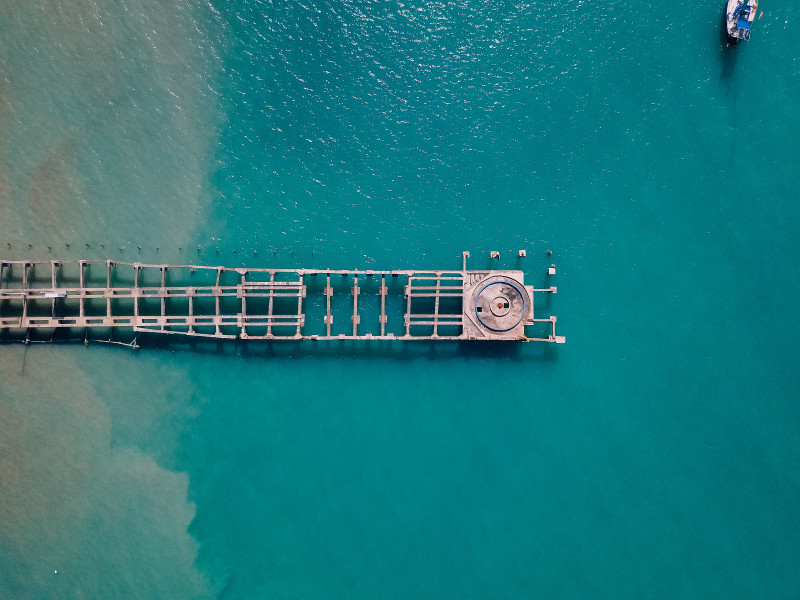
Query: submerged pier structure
[42,297]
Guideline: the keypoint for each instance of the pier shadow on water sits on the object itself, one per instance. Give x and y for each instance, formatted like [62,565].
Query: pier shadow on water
[401,350]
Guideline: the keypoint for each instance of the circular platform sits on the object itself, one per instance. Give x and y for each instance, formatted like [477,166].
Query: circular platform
[500,305]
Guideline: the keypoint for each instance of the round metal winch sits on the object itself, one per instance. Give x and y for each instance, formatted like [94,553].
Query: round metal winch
[500,305]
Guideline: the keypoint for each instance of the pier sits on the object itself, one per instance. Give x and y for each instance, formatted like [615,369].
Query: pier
[273,304]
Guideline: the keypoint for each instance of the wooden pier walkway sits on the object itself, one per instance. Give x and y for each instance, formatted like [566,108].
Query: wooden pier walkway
[271,304]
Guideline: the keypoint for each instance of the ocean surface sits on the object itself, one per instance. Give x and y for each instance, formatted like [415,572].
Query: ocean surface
[654,455]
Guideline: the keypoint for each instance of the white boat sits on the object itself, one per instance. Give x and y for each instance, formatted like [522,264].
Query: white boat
[739,14]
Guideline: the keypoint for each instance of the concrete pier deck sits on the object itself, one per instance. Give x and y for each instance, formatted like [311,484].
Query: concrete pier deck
[272,304]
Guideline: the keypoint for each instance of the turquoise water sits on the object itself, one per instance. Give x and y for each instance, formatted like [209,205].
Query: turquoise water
[653,456]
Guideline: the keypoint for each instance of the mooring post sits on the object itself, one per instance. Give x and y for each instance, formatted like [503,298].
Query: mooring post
[82,297]
[108,292]
[162,292]
[383,292]
[25,266]
[408,305]
[271,301]
[355,318]
[190,293]
[217,293]
[53,265]
[243,314]
[301,293]
[136,269]
[328,296]
[436,305]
